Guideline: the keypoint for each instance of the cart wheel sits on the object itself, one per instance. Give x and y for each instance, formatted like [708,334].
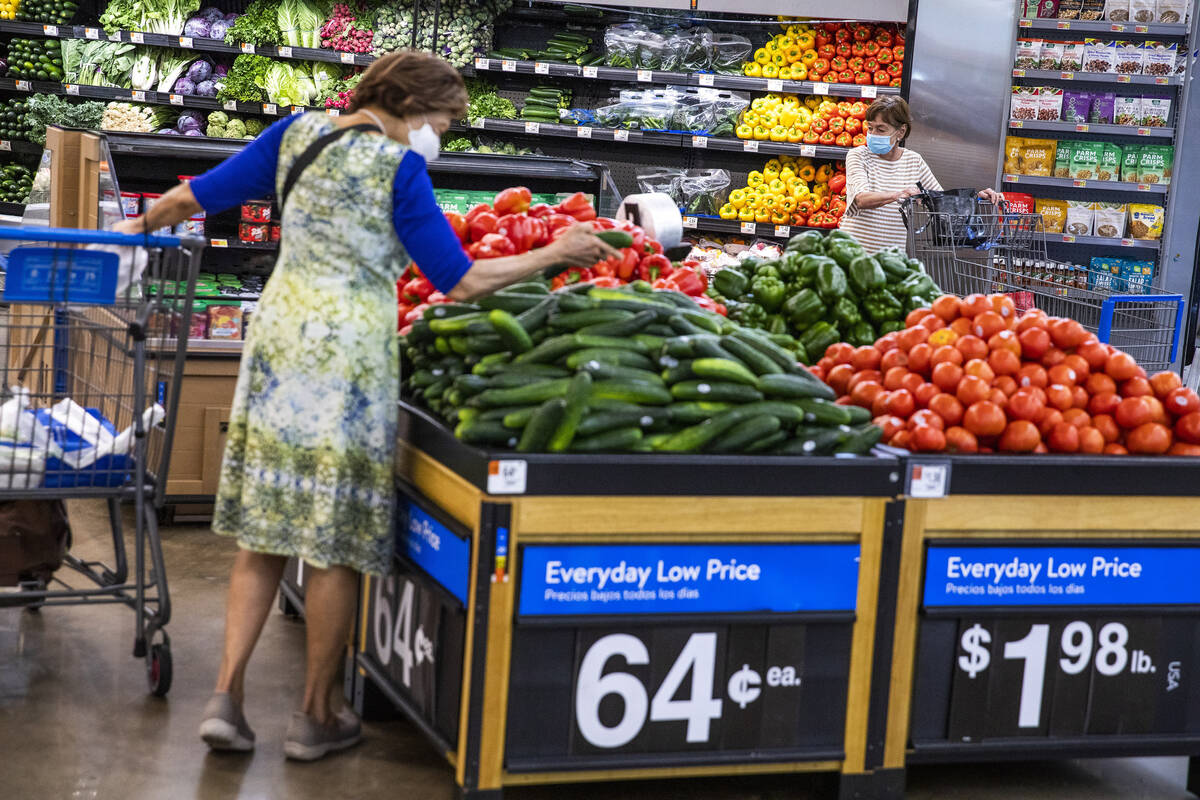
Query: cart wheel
[158,669]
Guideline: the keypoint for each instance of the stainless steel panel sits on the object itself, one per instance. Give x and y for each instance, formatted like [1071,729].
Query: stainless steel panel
[872,10]
[1180,239]
[961,79]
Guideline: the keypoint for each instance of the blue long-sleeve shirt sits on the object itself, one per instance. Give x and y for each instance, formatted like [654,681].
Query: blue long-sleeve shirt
[419,223]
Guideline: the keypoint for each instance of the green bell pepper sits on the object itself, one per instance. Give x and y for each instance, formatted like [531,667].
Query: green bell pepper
[915,302]
[731,282]
[918,285]
[767,269]
[808,268]
[882,306]
[890,327]
[816,340]
[866,275]
[752,315]
[846,313]
[776,324]
[836,234]
[801,353]
[807,243]
[894,264]
[789,266]
[914,265]
[768,292]
[831,282]
[861,334]
[843,251]
[804,308]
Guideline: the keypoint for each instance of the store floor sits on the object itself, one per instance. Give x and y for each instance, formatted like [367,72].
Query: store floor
[76,722]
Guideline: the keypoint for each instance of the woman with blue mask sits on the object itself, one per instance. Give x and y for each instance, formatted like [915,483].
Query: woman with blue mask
[309,459]
[881,173]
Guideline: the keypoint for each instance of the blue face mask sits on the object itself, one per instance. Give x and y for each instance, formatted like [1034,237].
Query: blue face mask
[879,145]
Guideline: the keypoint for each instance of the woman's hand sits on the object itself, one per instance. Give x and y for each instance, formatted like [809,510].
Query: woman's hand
[131,226]
[992,196]
[578,247]
[911,191]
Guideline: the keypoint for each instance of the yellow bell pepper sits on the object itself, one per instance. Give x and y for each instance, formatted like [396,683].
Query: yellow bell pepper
[773,101]
[812,102]
[762,56]
[789,204]
[750,118]
[727,211]
[745,131]
[762,134]
[787,175]
[787,118]
[754,178]
[737,198]
[773,165]
[762,216]
[771,46]
[809,57]
[791,101]
[752,69]
[785,159]
[799,72]
[806,41]
[758,103]
[777,186]
[770,71]
[746,214]
[768,119]
[807,172]
[824,173]
[785,74]
[781,217]
[801,193]
[796,135]
[793,54]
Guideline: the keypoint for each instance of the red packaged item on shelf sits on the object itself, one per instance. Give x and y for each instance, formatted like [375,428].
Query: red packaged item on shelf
[131,202]
[274,232]
[1020,203]
[256,211]
[254,232]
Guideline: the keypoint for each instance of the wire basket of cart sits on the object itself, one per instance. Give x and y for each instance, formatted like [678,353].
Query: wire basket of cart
[93,336]
[992,249]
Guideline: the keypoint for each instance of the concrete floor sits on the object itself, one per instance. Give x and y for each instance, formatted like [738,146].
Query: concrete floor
[76,721]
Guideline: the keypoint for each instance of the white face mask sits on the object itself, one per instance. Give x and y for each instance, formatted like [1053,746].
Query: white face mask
[425,142]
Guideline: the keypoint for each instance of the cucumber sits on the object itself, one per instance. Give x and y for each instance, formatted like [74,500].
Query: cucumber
[599,355]
[445,310]
[576,320]
[617,239]
[541,425]
[519,419]
[617,439]
[823,412]
[769,443]
[631,392]
[781,357]
[604,371]
[524,395]
[587,340]
[744,434]
[442,345]
[485,432]
[638,416]
[420,332]
[711,348]
[496,358]
[512,302]
[629,301]
[470,384]
[528,287]
[861,440]
[448,326]
[814,442]
[680,372]
[693,412]
[536,317]
[498,414]
[701,320]
[653,344]
[675,298]
[720,391]
[543,370]
[723,369]
[789,414]
[569,301]
[422,378]
[858,415]
[578,395]
[479,343]
[684,327]
[465,414]
[513,379]
[756,361]
[548,351]
[795,387]
[685,346]
[661,330]
[626,327]
[691,439]
[510,331]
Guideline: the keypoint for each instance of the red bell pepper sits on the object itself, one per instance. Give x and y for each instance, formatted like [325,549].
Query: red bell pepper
[477,210]
[859,49]
[854,125]
[555,221]
[884,37]
[828,138]
[863,33]
[898,52]
[858,110]
[845,76]
[839,64]
[418,289]
[540,211]
[513,200]
[687,281]
[872,49]
[885,56]
[827,51]
[523,231]
[577,206]
[607,283]
[484,223]
[895,69]
[493,245]
[882,78]
[837,184]
[653,267]
[652,246]
[458,223]
[707,303]
[843,139]
[843,35]
[606,268]
[857,64]
[627,264]
[604,223]
[843,50]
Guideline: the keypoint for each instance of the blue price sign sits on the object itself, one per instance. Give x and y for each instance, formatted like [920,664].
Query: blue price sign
[59,274]
[435,548]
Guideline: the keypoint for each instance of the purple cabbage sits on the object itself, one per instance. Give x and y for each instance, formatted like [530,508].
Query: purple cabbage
[169,131]
[194,132]
[212,14]
[200,70]
[206,89]
[218,30]
[197,27]
[189,120]
[185,86]
[231,16]
[220,71]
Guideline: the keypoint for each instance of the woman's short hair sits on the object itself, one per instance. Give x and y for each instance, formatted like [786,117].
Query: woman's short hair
[408,83]
[893,110]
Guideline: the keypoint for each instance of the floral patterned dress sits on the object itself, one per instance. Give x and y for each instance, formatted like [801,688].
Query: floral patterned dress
[309,459]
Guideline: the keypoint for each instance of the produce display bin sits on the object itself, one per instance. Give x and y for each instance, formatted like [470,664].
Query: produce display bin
[565,618]
[1047,607]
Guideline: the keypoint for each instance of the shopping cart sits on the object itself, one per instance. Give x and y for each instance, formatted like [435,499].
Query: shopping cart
[996,250]
[91,347]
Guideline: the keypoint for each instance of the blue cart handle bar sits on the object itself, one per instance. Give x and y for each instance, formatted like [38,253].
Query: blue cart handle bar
[1110,304]
[79,236]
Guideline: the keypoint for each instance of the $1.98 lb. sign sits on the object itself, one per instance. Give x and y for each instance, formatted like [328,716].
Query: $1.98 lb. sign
[1099,652]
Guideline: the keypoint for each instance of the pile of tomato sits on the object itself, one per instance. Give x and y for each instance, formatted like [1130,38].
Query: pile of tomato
[971,375]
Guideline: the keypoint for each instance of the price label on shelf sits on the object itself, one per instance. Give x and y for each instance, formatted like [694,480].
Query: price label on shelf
[1068,238]
[1144,131]
[218,242]
[91,33]
[137,38]
[1016,123]
[71,88]
[479,122]
[1124,79]
[284,52]
[5,144]
[138,95]
[704,79]
[620,135]
[50,30]
[1008,178]
[783,231]
[870,91]
[533,127]
[483,63]
[1067,76]
[1128,243]
[700,141]
[1161,81]
[24,86]
[690,223]
[270,108]
[750,146]
[333,112]
[1141,28]
[591,72]
[186,42]
[583,132]
[1082,127]
[508,65]
[297,110]
[1064,26]
[928,480]
[176,99]
[1117,27]
[1144,187]
[645,75]
[507,476]
[347,58]
[774,85]
[820,88]
[1025,23]
[1018,73]
[247,48]
[229,105]
[749,228]
[808,150]
[1078,184]
[541,68]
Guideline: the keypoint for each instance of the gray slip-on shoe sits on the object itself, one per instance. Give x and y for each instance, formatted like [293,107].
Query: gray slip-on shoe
[224,726]
[308,740]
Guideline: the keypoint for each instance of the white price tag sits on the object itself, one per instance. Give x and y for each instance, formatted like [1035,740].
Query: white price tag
[1009,178]
[1144,187]
[479,122]
[533,127]
[591,72]
[91,33]
[1127,242]
[5,144]
[583,133]
[645,75]
[1067,76]
[1079,184]
[1162,81]
[71,88]
[230,105]
[219,242]
[138,95]
[333,112]
[507,65]
[483,63]
[1144,131]
[704,79]
[749,227]
[137,38]
[115,36]
[176,99]
[808,150]
[870,91]
[1016,123]
[690,222]
[820,88]
[507,476]
[298,110]
[928,480]
[186,42]
[270,108]
[50,30]
[1082,128]
[24,86]
[541,68]
[620,135]
[284,52]
[783,231]
[700,141]
[750,146]
[1017,73]
[247,48]
[347,58]
[774,85]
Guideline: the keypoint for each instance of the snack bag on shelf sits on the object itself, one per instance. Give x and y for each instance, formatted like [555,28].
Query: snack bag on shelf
[1128,111]
[1099,56]
[1092,10]
[1050,103]
[1062,159]
[1155,111]
[1081,215]
[1171,12]
[1028,54]
[1137,276]
[1037,157]
[1141,11]
[1130,163]
[1130,58]
[1069,9]
[1109,168]
[1102,108]
[1013,145]
[1085,159]
[1104,275]
[1076,106]
[1050,56]
[1025,103]
[1155,163]
[1110,220]
[1116,10]
[1072,57]
[1054,214]
[1146,221]
[1160,59]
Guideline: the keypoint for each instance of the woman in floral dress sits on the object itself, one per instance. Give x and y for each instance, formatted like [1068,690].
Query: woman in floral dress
[308,469]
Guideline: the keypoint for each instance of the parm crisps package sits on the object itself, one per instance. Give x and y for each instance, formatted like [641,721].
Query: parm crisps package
[1054,214]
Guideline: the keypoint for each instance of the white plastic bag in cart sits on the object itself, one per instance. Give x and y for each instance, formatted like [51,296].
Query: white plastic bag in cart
[130,267]
[21,466]
[99,442]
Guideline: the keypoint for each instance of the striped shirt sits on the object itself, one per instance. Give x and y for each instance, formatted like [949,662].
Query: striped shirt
[877,228]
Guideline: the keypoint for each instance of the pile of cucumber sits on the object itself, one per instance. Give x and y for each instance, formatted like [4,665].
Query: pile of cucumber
[35,59]
[590,369]
[15,183]
[15,122]
[543,103]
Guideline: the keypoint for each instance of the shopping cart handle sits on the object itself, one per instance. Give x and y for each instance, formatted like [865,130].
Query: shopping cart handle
[79,236]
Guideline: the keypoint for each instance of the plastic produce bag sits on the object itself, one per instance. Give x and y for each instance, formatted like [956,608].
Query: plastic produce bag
[621,43]
[727,109]
[655,114]
[704,191]
[729,51]
[689,50]
[653,51]
[664,180]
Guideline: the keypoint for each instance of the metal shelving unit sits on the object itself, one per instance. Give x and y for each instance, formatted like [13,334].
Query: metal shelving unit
[1055,76]
[1090,127]
[1096,186]
[1102,27]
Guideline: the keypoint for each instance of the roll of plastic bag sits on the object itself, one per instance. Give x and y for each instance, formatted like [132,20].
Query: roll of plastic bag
[657,214]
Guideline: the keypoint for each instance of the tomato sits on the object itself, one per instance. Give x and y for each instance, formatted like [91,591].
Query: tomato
[1137,387]
[984,419]
[980,369]
[866,357]
[817,371]
[947,307]
[1077,417]
[927,418]
[901,440]
[1132,412]
[1182,449]
[887,341]
[911,337]
[839,377]
[947,352]
[1033,318]
[932,323]
[1005,340]
[962,326]
[840,352]
[900,403]
[972,346]
[1121,367]
[1053,356]
[928,439]
[1066,333]
[1187,427]
[1181,401]
[1059,396]
[1064,438]
[1107,426]
[1152,438]
[1006,384]
[1050,418]
[988,324]
[961,440]
[1025,404]
[1157,412]
[914,317]
[1114,449]
[879,405]
[890,425]
[999,398]
[1164,383]
[948,407]
[1094,353]
[1062,374]
[1080,397]
[912,381]
[924,393]
[1080,365]
[972,389]
[1004,305]
[1104,403]
[973,305]
[864,394]
[919,356]
[826,364]
[1090,440]
[1034,342]
[1099,383]
[1033,374]
[894,377]
[947,375]
[1021,436]
[893,358]
[1004,362]
[868,375]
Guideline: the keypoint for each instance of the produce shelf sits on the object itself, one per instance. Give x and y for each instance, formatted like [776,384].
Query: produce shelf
[1103,186]
[19,146]
[645,473]
[1087,127]
[714,225]
[1098,77]
[1101,26]
[738,82]
[12,209]
[1103,241]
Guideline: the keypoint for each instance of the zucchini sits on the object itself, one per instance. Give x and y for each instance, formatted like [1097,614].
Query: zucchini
[795,386]
[631,392]
[606,371]
[823,412]
[578,395]
[599,355]
[445,310]
[541,425]
[617,439]
[519,419]
[536,317]
[691,413]
[744,434]
[524,395]
[616,239]
[512,302]
[575,320]
[515,337]
[479,431]
[756,361]
[626,327]
[723,369]
[720,391]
